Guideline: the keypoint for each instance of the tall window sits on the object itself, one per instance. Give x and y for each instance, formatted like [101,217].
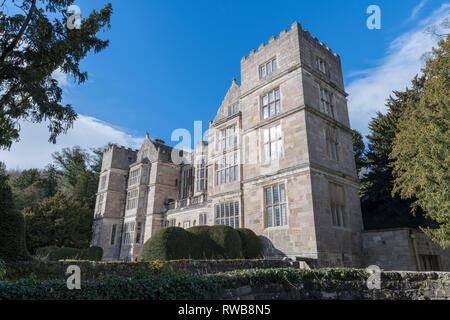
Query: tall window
[142,199]
[186,224]
[273,144]
[332,144]
[144,175]
[325,103]
[227,169]
[134,177]
[138,232]
[129,233]
[228,214]
[132,199]
[100,204]
[267,68]
[271,104]
[171,223]
[113,234]
[227,138]
[275,205]
[201,176]
[187,182]
[337,205]
[233,109]
[322,66]
[202,219]
[429,262]
[103,182]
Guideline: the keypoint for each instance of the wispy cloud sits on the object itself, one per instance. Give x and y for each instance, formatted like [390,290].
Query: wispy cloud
[403,60]
[416,10]
[33,151]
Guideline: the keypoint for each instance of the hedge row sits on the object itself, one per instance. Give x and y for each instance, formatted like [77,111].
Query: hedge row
[171,285]
[12,237]
[54,253]
[201,242]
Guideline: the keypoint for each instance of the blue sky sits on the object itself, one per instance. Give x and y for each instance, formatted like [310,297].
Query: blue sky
[171,62]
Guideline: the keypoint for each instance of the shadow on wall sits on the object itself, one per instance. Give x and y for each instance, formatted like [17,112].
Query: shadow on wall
[268,250]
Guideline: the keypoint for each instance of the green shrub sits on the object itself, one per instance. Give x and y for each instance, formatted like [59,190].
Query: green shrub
[12,236]
[251,245]
[228,240]
[169,244]
[207,247]
[54,253]
[92,254]
[2,270]
[65,253]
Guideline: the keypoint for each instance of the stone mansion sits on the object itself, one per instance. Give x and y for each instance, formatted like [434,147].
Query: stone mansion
[278,160]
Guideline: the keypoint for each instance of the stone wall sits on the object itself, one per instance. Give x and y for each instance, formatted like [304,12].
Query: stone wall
[394,286]
[94,270]
[402,249]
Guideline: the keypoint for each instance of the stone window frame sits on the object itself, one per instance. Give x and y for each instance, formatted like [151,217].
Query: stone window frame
[223,168]
[144,174]
[429,262]
[326,105]
[279,140]
[225,135]
[113,234]
[332,143]
[276,99]
[339,214]
[132,199]
[201,171]
[228,213]
[129,228]
[101,198]
[233,108]
[323,64]
[142,197]
[203,219]
[135,175]
[139,232]
[280,204]
[263,68]
[103,182]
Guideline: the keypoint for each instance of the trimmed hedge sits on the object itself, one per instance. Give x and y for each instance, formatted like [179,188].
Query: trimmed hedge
[228,240]
[205,245]
[54,253]
[200,242]
[169,285]
[251,245]
[12,237]
[169,244]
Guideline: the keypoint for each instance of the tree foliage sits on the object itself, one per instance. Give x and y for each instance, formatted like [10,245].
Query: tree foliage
[421,148]
[60,221]
[380,208]
[12,225]
[359,150]
[79,172]
[34,43]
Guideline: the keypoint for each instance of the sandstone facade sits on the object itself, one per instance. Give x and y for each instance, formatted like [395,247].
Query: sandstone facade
[278,160]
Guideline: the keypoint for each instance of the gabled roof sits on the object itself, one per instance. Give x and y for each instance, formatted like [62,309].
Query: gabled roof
[231,97]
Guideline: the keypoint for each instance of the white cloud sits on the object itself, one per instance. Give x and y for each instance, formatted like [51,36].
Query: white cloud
[370,88]
[416,10]
[33,150]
